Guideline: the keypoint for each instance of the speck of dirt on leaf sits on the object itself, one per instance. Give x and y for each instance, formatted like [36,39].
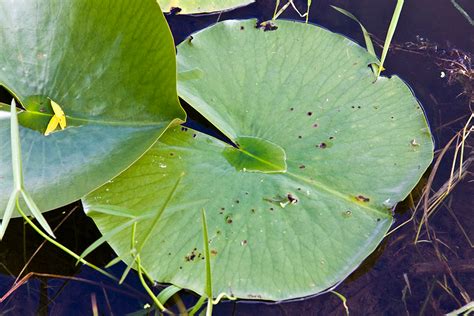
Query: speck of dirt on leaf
[242,27]
[322,145]
[299,136]
[244,243]
[315,125]
[292,109]
[309,113]
[291,198]
[362,198]
[228,219]
[175,10]
[184,129]
[192,255]
[302,166]
[253,211]
[271,208]
[213,252]
[267,26]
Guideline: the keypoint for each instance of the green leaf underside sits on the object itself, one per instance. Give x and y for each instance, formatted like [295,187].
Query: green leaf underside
[201,6]
[110,65]
[256,155]
[348,147]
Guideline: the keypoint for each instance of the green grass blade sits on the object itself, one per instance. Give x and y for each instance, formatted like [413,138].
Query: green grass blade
[463,12]
[167,293]
[198,306]
[113,262]
[35,211]
[7,215]
[111,210]
[205,237]
[16,147]
[147,288]
[158,215]
[390,32]
[307,12]
[105,238]
[367,39]
[277,4]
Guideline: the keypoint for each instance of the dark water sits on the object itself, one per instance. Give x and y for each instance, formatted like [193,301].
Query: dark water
[428,278]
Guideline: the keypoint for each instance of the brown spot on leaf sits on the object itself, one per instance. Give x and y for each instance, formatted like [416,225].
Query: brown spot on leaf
[175,10]
[291,198]
[362,198]
[267,26]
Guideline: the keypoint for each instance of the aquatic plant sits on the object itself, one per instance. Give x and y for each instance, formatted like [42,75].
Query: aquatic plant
[317,152]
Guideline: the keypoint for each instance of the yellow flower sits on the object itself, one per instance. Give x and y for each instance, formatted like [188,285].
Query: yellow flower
[57,119]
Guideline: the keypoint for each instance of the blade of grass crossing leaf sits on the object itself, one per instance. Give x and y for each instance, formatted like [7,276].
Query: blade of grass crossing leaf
[17,172]
[205,237]
[112,210]
[367,39]
[390,32]
[8,213]
[133,253]
[16,147]
[36,213]
[158,215]
[167,293]
[105,238]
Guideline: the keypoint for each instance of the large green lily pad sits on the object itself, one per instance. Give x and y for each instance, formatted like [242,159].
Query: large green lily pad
[324,155]
[110,65]
[201,6]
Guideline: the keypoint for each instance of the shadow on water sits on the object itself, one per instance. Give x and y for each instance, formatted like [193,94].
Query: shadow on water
[400,277]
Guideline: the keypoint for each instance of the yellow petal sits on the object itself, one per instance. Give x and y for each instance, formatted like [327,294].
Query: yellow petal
[59,113]
[53,123]
[62,122]
[57,109]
